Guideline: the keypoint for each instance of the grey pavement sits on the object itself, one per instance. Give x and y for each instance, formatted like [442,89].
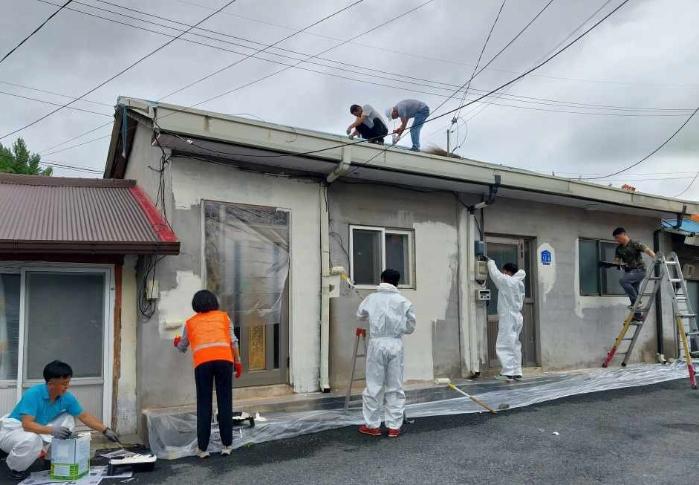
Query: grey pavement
[636,436]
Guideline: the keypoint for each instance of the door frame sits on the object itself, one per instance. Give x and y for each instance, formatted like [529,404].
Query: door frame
[108,336]
[522,242]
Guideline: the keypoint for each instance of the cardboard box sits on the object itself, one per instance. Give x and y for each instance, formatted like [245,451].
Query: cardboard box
[70,459]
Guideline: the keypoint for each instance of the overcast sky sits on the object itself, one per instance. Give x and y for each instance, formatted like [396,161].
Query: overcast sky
[584,113]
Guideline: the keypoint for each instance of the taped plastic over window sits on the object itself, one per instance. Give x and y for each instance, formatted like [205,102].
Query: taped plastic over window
[247,260]
[173,436]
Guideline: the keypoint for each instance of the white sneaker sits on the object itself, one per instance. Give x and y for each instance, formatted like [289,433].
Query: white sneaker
[227,450]
[203,454]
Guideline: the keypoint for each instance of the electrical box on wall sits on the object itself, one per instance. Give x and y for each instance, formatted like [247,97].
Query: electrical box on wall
[479,248]
[483,295]
[481,270]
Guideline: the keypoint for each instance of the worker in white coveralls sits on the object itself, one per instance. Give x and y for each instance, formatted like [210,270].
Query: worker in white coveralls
[510,285]
[45,411]
[390,316]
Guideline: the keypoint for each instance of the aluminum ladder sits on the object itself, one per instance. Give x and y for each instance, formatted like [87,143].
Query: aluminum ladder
[360,335]
[668,270]
[685,318]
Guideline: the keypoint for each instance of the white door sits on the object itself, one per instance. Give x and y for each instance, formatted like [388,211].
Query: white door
[64,315]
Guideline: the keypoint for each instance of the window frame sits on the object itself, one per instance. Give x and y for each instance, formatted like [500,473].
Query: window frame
[601,278]
[410,276]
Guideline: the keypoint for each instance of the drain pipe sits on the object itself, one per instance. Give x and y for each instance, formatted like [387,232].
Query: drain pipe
[324,381]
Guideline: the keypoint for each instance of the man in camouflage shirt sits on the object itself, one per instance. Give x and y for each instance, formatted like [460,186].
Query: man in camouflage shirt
[630,254]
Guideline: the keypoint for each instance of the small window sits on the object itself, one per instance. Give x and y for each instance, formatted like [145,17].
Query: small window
[374,249]
[596,280]
[9,325]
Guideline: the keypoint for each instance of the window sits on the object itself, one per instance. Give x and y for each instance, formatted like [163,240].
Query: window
[594,279]
[9,325]
[374,249]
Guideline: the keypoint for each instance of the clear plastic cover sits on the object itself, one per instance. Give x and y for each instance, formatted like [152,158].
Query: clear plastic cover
[173,435]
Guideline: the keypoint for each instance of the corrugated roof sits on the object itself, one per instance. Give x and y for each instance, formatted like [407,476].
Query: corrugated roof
[687,227]
[74,215]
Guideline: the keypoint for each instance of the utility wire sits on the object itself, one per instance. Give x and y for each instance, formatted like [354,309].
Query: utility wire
[689,186]
[52,163]
[352,68]
[104,125]
[132,65]
[478,62]
[515,79]
[54,93]
[55,104]
[41,25]
[656,150]
[383,24]
[218,71]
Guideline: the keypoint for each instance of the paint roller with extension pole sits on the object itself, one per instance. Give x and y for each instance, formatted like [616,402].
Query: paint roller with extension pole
[447,381]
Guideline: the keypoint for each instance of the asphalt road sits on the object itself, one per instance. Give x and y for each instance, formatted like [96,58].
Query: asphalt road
[635,436]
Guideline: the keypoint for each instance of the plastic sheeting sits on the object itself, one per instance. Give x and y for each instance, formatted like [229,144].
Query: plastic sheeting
[173,436]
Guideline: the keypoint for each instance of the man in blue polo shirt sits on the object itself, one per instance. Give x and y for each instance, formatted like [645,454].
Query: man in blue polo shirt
[45,411]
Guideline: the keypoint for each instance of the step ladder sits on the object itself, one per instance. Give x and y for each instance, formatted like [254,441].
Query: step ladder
[360,335]
[668,270]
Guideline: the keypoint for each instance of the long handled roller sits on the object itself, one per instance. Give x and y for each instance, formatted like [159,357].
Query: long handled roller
[472,398]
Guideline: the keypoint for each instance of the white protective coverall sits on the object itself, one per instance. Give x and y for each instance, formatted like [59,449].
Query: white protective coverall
[510,320]
[24,447]
[390,316]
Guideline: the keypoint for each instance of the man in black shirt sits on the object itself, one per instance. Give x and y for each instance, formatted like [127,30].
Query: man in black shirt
[629,253]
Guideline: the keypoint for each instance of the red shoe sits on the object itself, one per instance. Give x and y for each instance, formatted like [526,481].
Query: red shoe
[364,429]
[393,433]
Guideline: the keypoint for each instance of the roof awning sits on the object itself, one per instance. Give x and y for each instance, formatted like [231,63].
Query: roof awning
[80,216]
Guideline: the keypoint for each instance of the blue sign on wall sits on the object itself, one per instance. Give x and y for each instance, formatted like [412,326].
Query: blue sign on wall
[546,257]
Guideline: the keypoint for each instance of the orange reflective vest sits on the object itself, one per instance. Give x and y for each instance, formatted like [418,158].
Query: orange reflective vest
[210,337]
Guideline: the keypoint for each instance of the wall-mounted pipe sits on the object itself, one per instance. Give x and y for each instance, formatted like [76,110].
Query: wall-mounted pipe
[324,378]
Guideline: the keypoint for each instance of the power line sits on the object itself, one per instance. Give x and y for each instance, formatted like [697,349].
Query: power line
[104,125]
[517,98]
[656,150]
[79,144]
[393,19]
[517,78]
[52,163]
[478,62]
[41,25]
[218,71]
[54,93]
[55,104]
[433,84]
[132,65]
[689,186]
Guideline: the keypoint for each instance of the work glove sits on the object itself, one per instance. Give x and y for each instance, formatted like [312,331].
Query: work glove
[111,435]
[61,432]
[238,369]
[349,130]
[177,340]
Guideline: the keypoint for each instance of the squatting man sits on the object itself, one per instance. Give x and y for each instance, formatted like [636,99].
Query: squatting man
[45,412]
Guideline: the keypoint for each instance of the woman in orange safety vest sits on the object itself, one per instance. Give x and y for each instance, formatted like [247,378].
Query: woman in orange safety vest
[215,354]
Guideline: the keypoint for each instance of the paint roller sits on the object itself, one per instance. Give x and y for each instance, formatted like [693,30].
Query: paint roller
[446,381]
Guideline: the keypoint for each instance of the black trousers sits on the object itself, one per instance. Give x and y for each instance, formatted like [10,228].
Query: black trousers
[378,131]
[205,374]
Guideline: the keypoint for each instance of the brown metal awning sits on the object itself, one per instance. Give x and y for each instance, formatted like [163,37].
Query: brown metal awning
[80,216]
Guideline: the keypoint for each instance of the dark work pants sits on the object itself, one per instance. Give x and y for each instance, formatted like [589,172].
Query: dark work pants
[378,131]
[204,375]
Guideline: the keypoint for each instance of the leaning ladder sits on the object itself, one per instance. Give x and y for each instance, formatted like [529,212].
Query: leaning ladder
[670,271]
[360,334]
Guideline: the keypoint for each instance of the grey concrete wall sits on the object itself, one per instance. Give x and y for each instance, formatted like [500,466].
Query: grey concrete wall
[433,350]
[575,331]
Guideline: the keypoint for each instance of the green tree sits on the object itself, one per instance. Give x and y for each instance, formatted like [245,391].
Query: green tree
[19,160]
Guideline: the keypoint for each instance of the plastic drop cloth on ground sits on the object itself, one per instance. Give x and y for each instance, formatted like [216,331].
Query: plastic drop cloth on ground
[174,436]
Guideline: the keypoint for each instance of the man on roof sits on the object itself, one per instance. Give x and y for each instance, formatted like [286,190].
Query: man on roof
[368,124]
[406,109]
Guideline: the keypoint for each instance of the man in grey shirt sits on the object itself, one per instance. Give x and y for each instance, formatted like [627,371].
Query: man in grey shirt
[368,124]
[406,109]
